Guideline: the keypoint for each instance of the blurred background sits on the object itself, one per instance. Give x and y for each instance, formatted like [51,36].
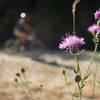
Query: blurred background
[36,27]
[47,19]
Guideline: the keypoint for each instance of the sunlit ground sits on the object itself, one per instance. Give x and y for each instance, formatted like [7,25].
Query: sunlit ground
[43,67]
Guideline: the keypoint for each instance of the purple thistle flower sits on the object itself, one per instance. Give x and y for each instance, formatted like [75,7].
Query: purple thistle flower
[97,14]
[94,29]
[72,43]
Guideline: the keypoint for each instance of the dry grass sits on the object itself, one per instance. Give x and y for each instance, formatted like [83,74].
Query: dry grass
[39,72]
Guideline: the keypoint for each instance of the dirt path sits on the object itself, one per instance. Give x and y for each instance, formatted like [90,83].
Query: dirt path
[43,68]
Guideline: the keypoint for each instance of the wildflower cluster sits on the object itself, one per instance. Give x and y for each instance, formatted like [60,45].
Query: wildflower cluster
[72,43]
[95,28]
[21,80]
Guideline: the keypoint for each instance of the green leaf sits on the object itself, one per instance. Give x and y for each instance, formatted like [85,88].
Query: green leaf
[79,53]
[74,70]
[82,86]
[77,68]
[75,95]
[86,76]
[98,82]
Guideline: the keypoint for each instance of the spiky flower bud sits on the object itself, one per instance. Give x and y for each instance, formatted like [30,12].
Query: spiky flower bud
[16,80]
[22,70]
[41,85]
[77,78]
[18,74]
[64,72]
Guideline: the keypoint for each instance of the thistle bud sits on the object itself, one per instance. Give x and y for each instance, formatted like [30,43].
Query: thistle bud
[22,70]
[64,72]
[18,74]
[16,80]
[77,78]
[41,86]
[74,50]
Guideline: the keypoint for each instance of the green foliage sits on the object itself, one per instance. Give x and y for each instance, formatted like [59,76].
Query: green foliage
[82,86]
[75,95]
[79,53]
[86,76]
[74,70]
[77,68]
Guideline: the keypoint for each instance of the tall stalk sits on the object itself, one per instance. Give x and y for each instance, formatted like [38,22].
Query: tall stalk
[94,78]
[73,12]
[80,91]
[27,87]
[67,84]
[92,59]
[89,65]
[79,71]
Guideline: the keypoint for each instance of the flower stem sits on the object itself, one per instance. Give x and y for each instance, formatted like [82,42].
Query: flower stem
[68,86]
[73,12]
[79,85]
[94,79]
[93,91]
[80,91]
[27,87]
[41,89]
[77,65]
[73,22]
[92,59]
